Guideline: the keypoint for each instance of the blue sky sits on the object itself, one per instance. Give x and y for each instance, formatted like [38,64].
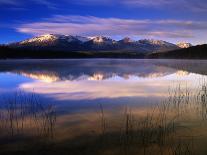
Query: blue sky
[174,21]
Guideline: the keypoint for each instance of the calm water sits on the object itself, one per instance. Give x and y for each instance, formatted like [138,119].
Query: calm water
[103,106]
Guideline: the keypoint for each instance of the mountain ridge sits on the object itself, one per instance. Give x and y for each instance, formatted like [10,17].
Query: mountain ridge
[97,43]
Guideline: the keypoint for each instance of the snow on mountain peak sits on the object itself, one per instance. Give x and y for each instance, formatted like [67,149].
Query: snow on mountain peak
[184,45]
[82,39]
[42,38]
[127,40]
[101,40]
[46,38]
[69,42]
[98,39]
[152,41]
[156,42]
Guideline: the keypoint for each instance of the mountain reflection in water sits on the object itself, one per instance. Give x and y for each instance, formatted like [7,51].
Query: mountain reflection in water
[103,107]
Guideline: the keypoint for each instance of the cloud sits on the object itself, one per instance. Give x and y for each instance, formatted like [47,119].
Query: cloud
[21,3]
[90,26]
[46,3]
[93,2]
[9,2]
[114,87]
[151,3]
[187,5]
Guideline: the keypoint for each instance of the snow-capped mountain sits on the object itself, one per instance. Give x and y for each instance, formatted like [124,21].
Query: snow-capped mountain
[98,43]
[126,40]
[156,42]
[50,39]
[53,42]
[157,45]
[102,40]
[184,45]
[40,39]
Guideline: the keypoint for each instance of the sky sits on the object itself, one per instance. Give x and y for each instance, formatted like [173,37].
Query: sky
[169,20]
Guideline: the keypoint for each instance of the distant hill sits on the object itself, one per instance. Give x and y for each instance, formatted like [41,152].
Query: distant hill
[195,52]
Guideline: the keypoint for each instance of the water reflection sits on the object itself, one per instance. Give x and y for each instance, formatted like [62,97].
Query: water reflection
[92,79]
[171,127]
[73,69]
[115,87]
[103,107]
[77,69]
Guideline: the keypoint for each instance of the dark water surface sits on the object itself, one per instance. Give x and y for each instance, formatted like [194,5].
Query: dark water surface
[103,106]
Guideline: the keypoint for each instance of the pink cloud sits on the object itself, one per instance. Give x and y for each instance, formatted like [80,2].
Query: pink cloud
[90,26]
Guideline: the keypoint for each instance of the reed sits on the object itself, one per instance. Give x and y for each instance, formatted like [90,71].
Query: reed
[23,112]
[157,132]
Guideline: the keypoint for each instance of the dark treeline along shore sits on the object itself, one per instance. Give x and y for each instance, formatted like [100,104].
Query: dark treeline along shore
[195,52]
[21,53]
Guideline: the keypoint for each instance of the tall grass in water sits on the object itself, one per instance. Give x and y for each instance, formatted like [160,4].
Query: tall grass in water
[202,101]
[25,114]
[156,132]
[103,120]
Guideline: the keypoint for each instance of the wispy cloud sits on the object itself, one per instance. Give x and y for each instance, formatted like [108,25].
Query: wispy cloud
[192,5]
[186,5]
[46,3]
[110,88]
[151,3]
[21,3]
[9,2]
[90,25]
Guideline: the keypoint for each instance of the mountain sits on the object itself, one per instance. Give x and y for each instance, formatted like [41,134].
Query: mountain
[126,40]
[100,40]
[184,45]
[70,43]
[51,40]
[99,43]
[157,45]
[194,52]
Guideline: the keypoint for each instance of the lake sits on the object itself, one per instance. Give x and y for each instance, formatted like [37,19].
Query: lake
[103,107]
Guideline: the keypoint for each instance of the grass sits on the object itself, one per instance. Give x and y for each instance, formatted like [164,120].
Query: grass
[24,113]
[160,131]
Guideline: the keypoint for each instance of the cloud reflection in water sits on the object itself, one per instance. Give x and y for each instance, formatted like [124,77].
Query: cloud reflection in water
[94,87]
